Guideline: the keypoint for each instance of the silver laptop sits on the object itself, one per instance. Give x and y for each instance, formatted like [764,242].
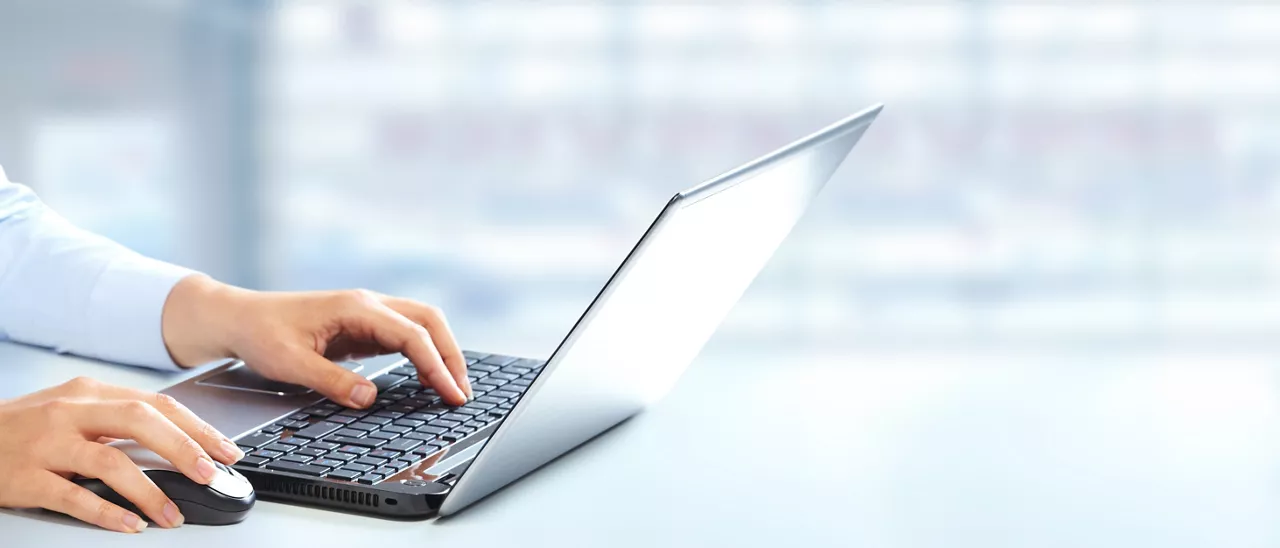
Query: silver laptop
[410,455]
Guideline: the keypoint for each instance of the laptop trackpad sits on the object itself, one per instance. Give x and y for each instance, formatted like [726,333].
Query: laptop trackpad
[239,377]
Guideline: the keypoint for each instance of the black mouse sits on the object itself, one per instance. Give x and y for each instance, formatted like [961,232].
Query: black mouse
[226,500]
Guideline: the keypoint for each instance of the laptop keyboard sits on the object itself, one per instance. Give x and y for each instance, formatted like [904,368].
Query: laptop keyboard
[407,424]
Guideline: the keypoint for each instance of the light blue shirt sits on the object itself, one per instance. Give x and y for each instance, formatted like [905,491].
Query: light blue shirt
[65,288]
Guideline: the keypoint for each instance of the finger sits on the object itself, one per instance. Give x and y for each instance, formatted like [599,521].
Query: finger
[332,380]
[393,331]
[210,439]
[139,421]
[113,467]
[55,493]
[433,319]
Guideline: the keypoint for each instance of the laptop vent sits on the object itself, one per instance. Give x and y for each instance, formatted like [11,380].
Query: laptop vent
[309,491]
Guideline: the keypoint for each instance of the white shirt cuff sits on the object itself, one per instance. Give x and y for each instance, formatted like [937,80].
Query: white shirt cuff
[126,308]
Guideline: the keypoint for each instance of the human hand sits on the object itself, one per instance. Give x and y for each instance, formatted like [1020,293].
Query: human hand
[295,337]
[52,435]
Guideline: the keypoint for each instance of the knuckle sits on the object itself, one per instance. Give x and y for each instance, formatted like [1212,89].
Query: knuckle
[69,495]
[81,385]
[136,409]
[58,410]
[109,459]
[189,446]
[104,510]
[361,297]
[167,404]
[435,311]
[207,431]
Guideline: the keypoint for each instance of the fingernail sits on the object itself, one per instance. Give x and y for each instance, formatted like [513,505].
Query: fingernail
[230,450]
[172,515]
[466,382]
[363,395]
[205,468]
[132,522]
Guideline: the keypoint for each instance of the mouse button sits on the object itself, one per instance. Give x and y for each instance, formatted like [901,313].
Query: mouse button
[231,485]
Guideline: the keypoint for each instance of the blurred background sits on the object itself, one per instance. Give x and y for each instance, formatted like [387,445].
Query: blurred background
[1056,175]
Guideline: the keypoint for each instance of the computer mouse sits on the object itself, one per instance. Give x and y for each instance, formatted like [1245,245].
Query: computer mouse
[226,500]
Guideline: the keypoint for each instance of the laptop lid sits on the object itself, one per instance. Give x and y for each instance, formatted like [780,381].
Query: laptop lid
[660,307]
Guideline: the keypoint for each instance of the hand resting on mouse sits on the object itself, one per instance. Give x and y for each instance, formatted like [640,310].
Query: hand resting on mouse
[55,434]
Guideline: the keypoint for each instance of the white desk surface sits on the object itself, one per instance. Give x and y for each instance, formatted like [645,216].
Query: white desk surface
[866,450]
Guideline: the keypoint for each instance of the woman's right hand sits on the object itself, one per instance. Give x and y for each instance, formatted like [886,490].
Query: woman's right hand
[55,434]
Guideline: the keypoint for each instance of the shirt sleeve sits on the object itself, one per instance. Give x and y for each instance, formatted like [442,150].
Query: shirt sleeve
[65,288]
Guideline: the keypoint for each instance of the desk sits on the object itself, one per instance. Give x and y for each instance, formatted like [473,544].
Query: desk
[867,450]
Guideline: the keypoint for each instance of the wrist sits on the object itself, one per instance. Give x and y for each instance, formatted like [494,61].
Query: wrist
[200,319]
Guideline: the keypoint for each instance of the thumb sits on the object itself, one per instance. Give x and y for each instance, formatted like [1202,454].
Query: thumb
[334,381]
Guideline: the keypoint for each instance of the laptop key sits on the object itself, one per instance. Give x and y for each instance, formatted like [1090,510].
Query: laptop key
[304,469]
[384,453]
[522,382]
[350,432]
[504,376]
[309,451]
[279,447]
[295,458]
[318,430]
[357,467]
[505,394]
[369,479]
[387,471]
[489,399]
[477,424]
[341,419]
[327,463]
[474,408]
[423,436]
[266,453]
[341,456]
[353,449]
[386,381]
[443,423]
[376,419]
[256,440]
[250,460]
[499,360]
[461,418]
[361,426]
[396,429]
[371,443]
[322,445]
[370,461]
[403,444]
[273,429]
[345,475]
[410,423]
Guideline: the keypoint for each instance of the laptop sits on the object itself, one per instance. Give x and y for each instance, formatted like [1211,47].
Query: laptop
[411,456]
